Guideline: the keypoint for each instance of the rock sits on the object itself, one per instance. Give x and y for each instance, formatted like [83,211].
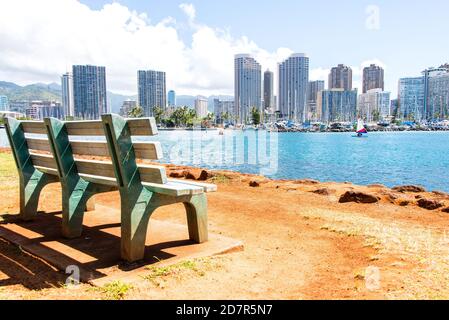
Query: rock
[307,181]
[204,175]
[429,204]
[358,197]
[418,197]
[324,191]
[177,174]
[410,188]
[254,184]
[404,203]
[190,175]
[441,194]
[391,197]
[446,210]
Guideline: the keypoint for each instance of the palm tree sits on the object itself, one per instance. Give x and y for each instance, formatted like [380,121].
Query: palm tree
[136,112]
[255,116]
[158,114]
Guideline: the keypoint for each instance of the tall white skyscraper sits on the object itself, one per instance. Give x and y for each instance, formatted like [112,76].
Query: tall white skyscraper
[293,82]
[247,87]
[67,95]
[374,105]
[201,107]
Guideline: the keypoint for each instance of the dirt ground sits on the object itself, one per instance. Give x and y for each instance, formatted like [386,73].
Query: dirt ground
[299,244]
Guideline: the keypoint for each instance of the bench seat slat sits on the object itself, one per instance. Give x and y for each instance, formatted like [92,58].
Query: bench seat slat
[148,173]
[143,150]
[207,187]
[38,144]
[37,127]
[138,127]
[171,188]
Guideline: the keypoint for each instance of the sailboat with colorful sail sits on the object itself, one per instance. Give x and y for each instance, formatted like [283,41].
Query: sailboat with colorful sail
[361,130]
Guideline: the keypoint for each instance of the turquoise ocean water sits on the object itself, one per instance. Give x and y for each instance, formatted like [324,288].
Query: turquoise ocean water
[388,158]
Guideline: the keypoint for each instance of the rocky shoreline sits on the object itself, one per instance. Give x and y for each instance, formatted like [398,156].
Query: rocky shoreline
[412,196]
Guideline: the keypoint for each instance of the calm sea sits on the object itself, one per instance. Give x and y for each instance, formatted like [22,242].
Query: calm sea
[388,158]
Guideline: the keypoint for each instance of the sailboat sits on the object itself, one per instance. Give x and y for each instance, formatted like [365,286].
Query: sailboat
[361,131]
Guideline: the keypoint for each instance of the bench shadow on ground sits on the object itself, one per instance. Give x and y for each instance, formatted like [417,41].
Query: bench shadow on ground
[96,252]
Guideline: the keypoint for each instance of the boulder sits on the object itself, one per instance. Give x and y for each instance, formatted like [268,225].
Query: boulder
[205,175]
[445,210]
[430,204]
[358,197]
[254,184]
[410,188]
[404,203]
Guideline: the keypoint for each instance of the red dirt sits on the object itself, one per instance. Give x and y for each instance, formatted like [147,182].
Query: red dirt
[298,245]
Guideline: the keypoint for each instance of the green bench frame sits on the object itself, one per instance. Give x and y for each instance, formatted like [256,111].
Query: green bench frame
[142,189]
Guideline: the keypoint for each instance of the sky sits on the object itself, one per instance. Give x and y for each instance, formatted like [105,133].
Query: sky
[194,41]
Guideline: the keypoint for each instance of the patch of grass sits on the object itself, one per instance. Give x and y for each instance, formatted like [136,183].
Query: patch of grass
[220,178]
[158,274]
[116,290]
[7,166]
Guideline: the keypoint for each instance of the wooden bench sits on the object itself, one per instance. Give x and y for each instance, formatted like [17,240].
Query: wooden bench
[143,188]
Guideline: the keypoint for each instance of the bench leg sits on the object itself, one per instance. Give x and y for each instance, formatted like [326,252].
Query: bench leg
[30,191]
[74,204]
[197,218]
[134,230]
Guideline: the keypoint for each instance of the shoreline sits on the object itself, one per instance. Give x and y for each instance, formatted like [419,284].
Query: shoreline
[198,169]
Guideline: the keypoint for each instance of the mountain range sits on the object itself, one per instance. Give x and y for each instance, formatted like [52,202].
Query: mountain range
[52,91]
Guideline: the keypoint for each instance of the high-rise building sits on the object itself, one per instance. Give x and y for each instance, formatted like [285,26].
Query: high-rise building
[411,98]
[201,107]
[373,78]
[67,95]
[152,90]
[313,89]
[247,87]
[171,98]
[4,105]
[223,110]
[425,97]
[38,110]
[89,92]
[340,77]
[436,86]
[268,94]
[374,105]
[293,82]
[127,107]
[337,105]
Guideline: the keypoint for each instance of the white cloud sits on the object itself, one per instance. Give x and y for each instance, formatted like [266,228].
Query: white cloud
[40,40]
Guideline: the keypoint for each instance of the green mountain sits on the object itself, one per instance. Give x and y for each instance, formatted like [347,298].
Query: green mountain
[52,91]
[36,91]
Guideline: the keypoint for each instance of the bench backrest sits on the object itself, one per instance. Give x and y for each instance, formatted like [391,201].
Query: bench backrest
[59,154]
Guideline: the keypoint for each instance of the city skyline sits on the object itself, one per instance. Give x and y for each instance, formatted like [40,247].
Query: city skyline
[196,49]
